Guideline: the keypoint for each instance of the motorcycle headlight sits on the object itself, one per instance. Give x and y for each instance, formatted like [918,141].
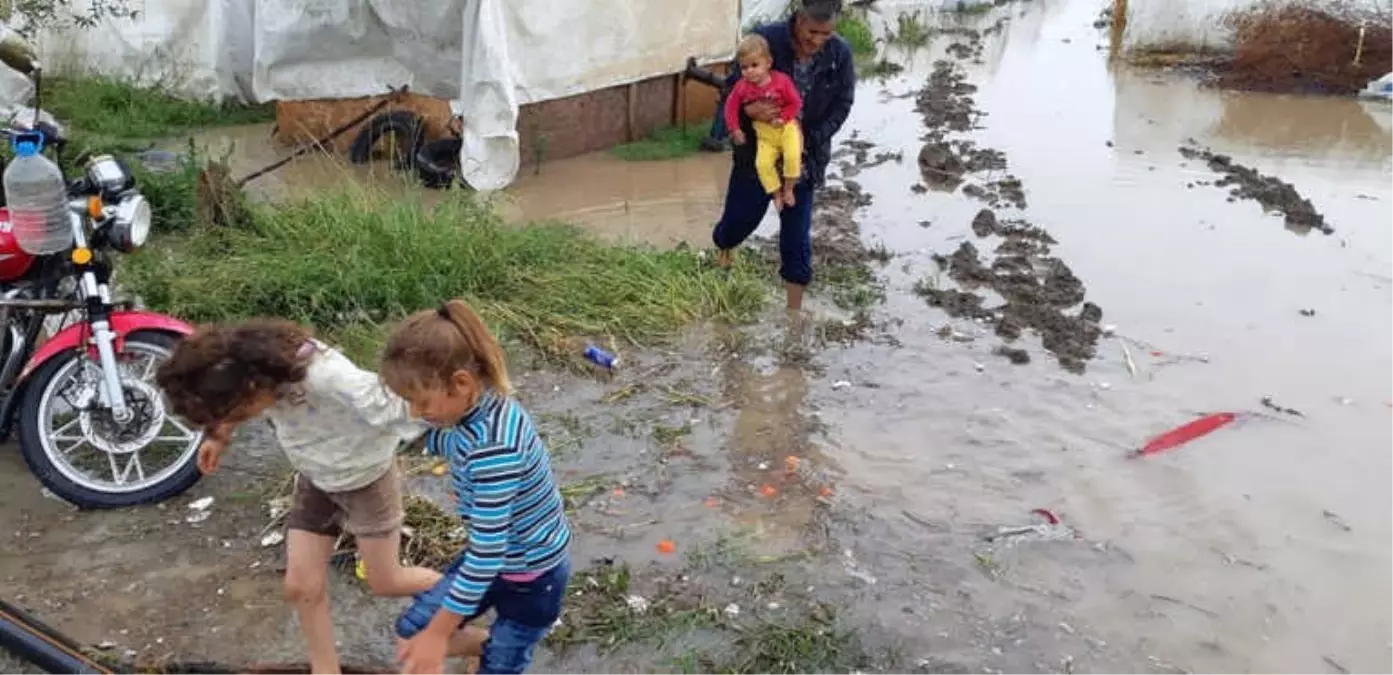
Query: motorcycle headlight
[132,223]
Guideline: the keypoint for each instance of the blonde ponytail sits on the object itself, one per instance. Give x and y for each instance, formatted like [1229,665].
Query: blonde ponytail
[426,349]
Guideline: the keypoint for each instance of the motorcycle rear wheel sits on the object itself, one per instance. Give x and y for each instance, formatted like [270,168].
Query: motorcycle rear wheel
[91,432]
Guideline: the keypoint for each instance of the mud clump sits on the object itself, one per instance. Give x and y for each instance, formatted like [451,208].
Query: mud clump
[984,224]
[1274,194]
[956,303]
[1000,193]
[1304,47]
[1038,291]
[943,164]
[946,105]
[855,156]
[946,100]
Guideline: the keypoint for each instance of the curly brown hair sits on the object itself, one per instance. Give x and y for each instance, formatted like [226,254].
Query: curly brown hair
[222,367]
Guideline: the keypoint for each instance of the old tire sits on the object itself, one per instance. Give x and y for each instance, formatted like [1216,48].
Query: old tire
[437,162]
[32,446]
[400,124]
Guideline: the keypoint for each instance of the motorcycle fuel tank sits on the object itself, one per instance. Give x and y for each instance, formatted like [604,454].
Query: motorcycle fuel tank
[14,261]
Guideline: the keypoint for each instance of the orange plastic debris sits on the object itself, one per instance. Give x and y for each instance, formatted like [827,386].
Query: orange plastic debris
[825,492]
[768,491]
[619,492]
[791,464]
[712,502]
[667,546]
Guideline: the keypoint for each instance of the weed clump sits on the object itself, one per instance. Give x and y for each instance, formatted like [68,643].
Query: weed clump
[857,32]
[668,142]
[911,30]
[105,106]
[353,258]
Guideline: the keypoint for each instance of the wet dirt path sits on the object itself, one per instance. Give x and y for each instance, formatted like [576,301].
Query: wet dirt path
[1173,265]
[908,447]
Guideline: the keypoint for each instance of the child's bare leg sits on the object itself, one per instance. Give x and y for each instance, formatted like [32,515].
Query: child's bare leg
[723,257]
[306,587]
[468,641]
[788,191]
[386,576]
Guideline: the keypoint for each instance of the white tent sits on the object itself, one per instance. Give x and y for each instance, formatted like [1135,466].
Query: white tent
[488,55]
[1195,26]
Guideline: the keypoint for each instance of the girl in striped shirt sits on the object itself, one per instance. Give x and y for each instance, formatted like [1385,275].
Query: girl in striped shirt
[451,372]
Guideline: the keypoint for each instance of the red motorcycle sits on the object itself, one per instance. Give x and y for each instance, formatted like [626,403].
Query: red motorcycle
[92,424]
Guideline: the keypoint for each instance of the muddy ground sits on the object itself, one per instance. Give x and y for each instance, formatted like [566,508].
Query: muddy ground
[1039,290]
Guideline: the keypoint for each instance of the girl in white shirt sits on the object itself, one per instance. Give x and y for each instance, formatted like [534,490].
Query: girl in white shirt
[339,427]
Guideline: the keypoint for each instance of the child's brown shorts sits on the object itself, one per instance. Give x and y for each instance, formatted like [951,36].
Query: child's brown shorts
[373,510]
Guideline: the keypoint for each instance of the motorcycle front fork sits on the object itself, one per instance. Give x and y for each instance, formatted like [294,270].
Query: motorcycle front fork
[111,393]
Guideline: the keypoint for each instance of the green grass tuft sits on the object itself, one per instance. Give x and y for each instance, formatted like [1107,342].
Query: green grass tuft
[664,143]
[104,106]
[857,33]
[353,258]
[911,30]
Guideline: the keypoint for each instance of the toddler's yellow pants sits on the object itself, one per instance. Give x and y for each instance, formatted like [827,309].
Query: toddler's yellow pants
[771,142]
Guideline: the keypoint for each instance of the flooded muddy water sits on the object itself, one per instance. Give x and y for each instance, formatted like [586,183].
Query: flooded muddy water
[1264,546]
[1181,268]
[661,203]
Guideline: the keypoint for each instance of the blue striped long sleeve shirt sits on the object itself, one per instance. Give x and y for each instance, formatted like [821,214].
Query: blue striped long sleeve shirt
[508,497]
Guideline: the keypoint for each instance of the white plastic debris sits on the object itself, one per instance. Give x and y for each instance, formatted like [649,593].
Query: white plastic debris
[272,538]
[732,610]
[637,603]
[1379,88]
[1109,328]
[197,517]
[840,384]
[278,507]
[980,367]
[201,504]
[772,605]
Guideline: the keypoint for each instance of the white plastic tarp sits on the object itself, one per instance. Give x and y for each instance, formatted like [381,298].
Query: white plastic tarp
[1198,25]
[552,50]
[753,12]
[489,55]
[197,48]
[329,49]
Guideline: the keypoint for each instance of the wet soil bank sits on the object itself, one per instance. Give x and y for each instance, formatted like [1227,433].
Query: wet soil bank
[1272,193]
[1308,47]
[1294,46]
[1039,290]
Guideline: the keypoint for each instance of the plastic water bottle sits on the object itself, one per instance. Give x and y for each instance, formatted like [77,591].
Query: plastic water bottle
[601,357]
[37,197]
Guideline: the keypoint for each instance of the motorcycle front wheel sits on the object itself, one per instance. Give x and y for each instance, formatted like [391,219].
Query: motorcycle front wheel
[76,449]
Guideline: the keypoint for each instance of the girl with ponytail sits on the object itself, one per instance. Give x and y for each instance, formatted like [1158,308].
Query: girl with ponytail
[450,370]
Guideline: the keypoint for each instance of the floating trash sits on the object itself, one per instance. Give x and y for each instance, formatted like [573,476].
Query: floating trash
[1185,433]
